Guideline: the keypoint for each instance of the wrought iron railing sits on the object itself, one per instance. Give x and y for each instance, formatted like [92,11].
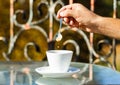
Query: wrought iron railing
[48,10]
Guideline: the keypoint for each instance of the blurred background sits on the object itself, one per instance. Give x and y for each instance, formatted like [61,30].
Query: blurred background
[28,28]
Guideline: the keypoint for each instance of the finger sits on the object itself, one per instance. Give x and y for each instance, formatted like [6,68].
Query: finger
[62,9]
[68,6]
[66,20]
[66,13]
[71,23]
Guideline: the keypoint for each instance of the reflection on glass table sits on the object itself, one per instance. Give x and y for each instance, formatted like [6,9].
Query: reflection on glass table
[57,81]
[21,73]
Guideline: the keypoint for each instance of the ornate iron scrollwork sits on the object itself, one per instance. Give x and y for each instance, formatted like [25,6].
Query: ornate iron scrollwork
[37,37]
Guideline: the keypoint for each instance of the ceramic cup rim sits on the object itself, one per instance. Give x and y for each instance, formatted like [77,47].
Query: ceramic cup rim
[59,51]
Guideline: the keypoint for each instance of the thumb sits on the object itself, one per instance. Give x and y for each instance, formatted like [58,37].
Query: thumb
[67,13]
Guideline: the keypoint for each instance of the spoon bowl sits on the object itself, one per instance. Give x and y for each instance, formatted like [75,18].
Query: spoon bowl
[58,36]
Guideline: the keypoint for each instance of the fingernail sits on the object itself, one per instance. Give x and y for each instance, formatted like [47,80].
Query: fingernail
[61,14]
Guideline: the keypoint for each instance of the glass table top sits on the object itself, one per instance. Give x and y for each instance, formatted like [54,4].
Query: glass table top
[23,73]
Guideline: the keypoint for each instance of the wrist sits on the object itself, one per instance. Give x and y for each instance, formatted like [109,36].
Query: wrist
[94,25]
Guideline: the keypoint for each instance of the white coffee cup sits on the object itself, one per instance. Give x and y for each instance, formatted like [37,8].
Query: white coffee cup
[59,60]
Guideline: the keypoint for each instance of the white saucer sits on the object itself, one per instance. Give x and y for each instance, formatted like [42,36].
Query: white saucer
[44,71]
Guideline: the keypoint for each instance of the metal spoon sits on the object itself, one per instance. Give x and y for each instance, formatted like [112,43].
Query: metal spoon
[59,35]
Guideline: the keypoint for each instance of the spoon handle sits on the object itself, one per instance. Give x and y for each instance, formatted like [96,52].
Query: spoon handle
[60,23]
[59,35]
